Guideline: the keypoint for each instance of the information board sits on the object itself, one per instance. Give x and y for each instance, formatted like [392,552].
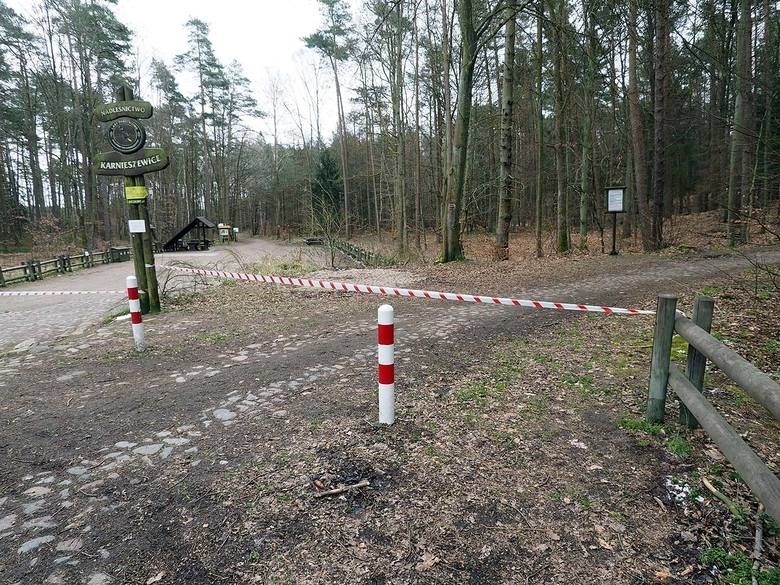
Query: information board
[615,198]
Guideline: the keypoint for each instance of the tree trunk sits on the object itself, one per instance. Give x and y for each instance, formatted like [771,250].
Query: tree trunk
[396,91]
[32,139]
[741,129]
[637,132]
[505,170]
[342,150]
[452,248]
[539,130]
[418,132]
[447,146]
[661,90]
[559,57]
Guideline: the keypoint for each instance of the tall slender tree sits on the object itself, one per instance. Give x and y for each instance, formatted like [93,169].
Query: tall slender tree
[505,179]
[333,42]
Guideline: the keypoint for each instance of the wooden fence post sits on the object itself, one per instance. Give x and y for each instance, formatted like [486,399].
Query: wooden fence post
[2,278]
[696,363]
[662,350]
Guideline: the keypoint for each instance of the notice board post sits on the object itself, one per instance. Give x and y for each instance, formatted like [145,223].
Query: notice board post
[616,203]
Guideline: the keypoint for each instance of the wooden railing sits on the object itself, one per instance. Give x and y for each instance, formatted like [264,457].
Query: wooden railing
[695,409]
[37,270]
[363,256]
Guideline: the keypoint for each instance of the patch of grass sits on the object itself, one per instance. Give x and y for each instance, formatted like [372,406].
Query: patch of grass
[228,282]
[639,424]
[109,318]
[716,469]
[471,420]
[678,447]
[504,439]
[574,380]
[290,267]
[255,556]
[735,476]
[772,345]
[480,393]
[180,300]
[771,527]
[185,494]
[679,348]
[738,567]
[475,392]
[284,497]
[695,494]
[571,494]
[507,371]
[712,290]
[282,456]
[213,337]
[738,395]
[537,407]
[764,292]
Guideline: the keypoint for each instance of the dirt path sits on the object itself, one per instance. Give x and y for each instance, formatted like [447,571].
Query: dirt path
[111,458]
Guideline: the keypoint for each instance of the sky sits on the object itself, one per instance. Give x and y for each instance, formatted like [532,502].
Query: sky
[263,35]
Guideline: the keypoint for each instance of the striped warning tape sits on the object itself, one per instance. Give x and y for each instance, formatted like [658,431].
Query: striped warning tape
[405,292]
[57,293]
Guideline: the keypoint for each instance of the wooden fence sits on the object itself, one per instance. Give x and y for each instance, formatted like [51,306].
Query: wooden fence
[36,270]
[695,409]
[363,256]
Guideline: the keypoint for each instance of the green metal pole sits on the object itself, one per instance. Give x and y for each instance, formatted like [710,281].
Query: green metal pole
[148,252]
[136,241]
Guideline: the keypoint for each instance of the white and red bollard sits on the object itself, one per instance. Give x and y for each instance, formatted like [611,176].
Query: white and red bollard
[386,354]
[135,313]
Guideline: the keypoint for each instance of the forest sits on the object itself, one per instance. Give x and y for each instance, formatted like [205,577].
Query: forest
[452,116]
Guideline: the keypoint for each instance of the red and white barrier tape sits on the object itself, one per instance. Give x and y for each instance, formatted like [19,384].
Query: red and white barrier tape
[57,293]
[405,292]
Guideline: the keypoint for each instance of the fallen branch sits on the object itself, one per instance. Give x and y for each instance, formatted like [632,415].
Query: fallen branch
[758,544]
[723,498]
[344,488]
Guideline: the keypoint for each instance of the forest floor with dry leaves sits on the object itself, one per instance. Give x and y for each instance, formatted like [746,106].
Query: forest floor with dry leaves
[519,454]
[527,461]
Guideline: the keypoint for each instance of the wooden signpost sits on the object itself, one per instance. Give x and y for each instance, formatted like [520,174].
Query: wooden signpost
[131,160]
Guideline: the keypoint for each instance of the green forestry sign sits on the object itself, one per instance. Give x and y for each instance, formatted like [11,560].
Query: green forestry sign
[146,160]
[137,109]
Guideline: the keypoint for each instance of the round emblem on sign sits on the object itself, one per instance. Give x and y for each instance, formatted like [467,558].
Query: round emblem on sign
[126,136]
